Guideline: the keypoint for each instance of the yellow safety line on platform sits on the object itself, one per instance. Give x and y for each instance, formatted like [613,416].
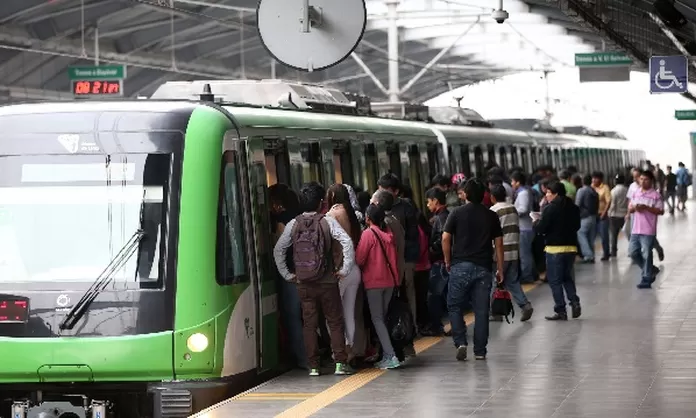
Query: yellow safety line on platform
[351,384]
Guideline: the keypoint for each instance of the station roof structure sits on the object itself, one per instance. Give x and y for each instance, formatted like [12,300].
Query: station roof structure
[446,43]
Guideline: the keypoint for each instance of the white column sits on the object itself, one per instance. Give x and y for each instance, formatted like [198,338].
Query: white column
[393,50]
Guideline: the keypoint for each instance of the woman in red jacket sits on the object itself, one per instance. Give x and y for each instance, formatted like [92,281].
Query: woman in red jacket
[376,256]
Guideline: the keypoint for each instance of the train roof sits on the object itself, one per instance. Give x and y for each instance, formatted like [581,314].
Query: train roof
[260,117]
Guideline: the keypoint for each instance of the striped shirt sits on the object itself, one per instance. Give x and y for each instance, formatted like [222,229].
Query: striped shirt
[510,223]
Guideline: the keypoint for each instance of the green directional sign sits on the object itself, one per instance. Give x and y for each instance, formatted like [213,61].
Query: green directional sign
[602,59]
[685,114]
[102,72]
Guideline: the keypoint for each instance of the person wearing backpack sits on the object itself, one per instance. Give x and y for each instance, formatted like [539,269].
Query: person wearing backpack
[311,235]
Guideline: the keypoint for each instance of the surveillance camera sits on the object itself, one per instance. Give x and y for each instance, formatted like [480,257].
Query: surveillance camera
[500,16]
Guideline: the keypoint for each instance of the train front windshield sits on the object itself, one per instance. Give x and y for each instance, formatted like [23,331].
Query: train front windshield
[63,218]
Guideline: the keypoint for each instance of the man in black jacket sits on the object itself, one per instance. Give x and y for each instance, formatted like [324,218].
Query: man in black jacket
[406,212]
[437,284]
[559,224]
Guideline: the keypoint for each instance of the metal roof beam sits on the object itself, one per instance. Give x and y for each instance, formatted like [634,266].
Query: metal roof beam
[437,58]
[26,11]
[507,40]
[479,31]
[64,11]
[132,28]
[12,38]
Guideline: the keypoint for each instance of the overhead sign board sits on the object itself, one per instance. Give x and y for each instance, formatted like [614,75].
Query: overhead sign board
[102,72]
[685,114]
[669,74]
[602,59]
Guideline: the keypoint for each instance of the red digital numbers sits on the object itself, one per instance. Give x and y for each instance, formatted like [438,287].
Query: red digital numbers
[96,88]
[14,311]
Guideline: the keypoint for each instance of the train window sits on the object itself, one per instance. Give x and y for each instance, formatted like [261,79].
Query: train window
[415,169]
[277,163]
[478,162]
[311,162]
[525,162]
[394,159]
[548,157]
[433,161]
[371,166]
[491,161]
[453,168]
[466,163]
[557,158]
[502,158]
[231,263]
[514,160]
[343,164]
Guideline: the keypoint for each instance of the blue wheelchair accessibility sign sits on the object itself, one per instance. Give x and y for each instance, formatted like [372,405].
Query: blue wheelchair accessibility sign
[669,74]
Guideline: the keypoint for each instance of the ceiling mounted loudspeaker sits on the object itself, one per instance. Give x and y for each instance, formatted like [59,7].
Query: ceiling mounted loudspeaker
[311,35]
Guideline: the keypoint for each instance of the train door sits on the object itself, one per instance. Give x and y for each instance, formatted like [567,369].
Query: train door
[465,155]
[251,340]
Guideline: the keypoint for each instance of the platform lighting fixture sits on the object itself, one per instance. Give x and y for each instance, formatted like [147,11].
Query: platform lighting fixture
[500,15]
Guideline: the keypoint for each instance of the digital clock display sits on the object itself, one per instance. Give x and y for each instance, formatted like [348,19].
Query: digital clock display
[97,88]
[13,311]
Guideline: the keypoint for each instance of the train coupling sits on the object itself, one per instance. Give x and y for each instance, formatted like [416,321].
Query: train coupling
[59,409]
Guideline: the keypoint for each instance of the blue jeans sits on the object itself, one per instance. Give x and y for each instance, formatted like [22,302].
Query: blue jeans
[586,236]
[603,231]
[640,249]
[511,282]
[527,269]
[437,295]
[291,315]
[561,276]
[467,281]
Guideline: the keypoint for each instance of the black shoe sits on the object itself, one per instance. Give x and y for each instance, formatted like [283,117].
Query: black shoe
[576,310]
[558,316]
[605,258]
[642,285]
[527,312]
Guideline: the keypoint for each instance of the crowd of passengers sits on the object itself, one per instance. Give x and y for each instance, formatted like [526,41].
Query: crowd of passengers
[342,253]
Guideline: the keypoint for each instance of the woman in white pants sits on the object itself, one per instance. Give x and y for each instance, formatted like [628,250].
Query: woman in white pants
[338,200]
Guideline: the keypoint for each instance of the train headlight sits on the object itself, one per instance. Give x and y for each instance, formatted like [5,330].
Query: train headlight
[197,342]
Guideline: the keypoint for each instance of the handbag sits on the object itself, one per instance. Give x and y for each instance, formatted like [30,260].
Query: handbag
[502,303]
[399,320]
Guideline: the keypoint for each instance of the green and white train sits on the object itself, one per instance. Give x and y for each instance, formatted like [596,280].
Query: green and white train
[136,266]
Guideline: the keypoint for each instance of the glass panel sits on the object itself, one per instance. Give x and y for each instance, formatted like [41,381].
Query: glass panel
[478,162]
[311,162]
[65,217]
[234,260]
[466,163]
[371,166]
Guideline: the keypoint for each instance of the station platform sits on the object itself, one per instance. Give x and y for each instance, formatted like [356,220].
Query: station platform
[631,354]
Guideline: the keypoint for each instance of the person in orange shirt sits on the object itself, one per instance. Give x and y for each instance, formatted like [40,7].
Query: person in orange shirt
[604,193]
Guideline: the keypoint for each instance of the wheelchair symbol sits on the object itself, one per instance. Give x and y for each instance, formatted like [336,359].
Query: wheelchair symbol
[664,79]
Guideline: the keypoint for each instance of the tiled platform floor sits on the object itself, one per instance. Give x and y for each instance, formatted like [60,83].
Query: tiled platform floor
[631,354]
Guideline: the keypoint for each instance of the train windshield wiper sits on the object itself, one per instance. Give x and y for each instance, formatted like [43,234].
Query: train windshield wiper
[102,281]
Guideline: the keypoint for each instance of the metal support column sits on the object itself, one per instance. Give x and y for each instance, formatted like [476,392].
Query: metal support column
[393,50]
[96,46]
